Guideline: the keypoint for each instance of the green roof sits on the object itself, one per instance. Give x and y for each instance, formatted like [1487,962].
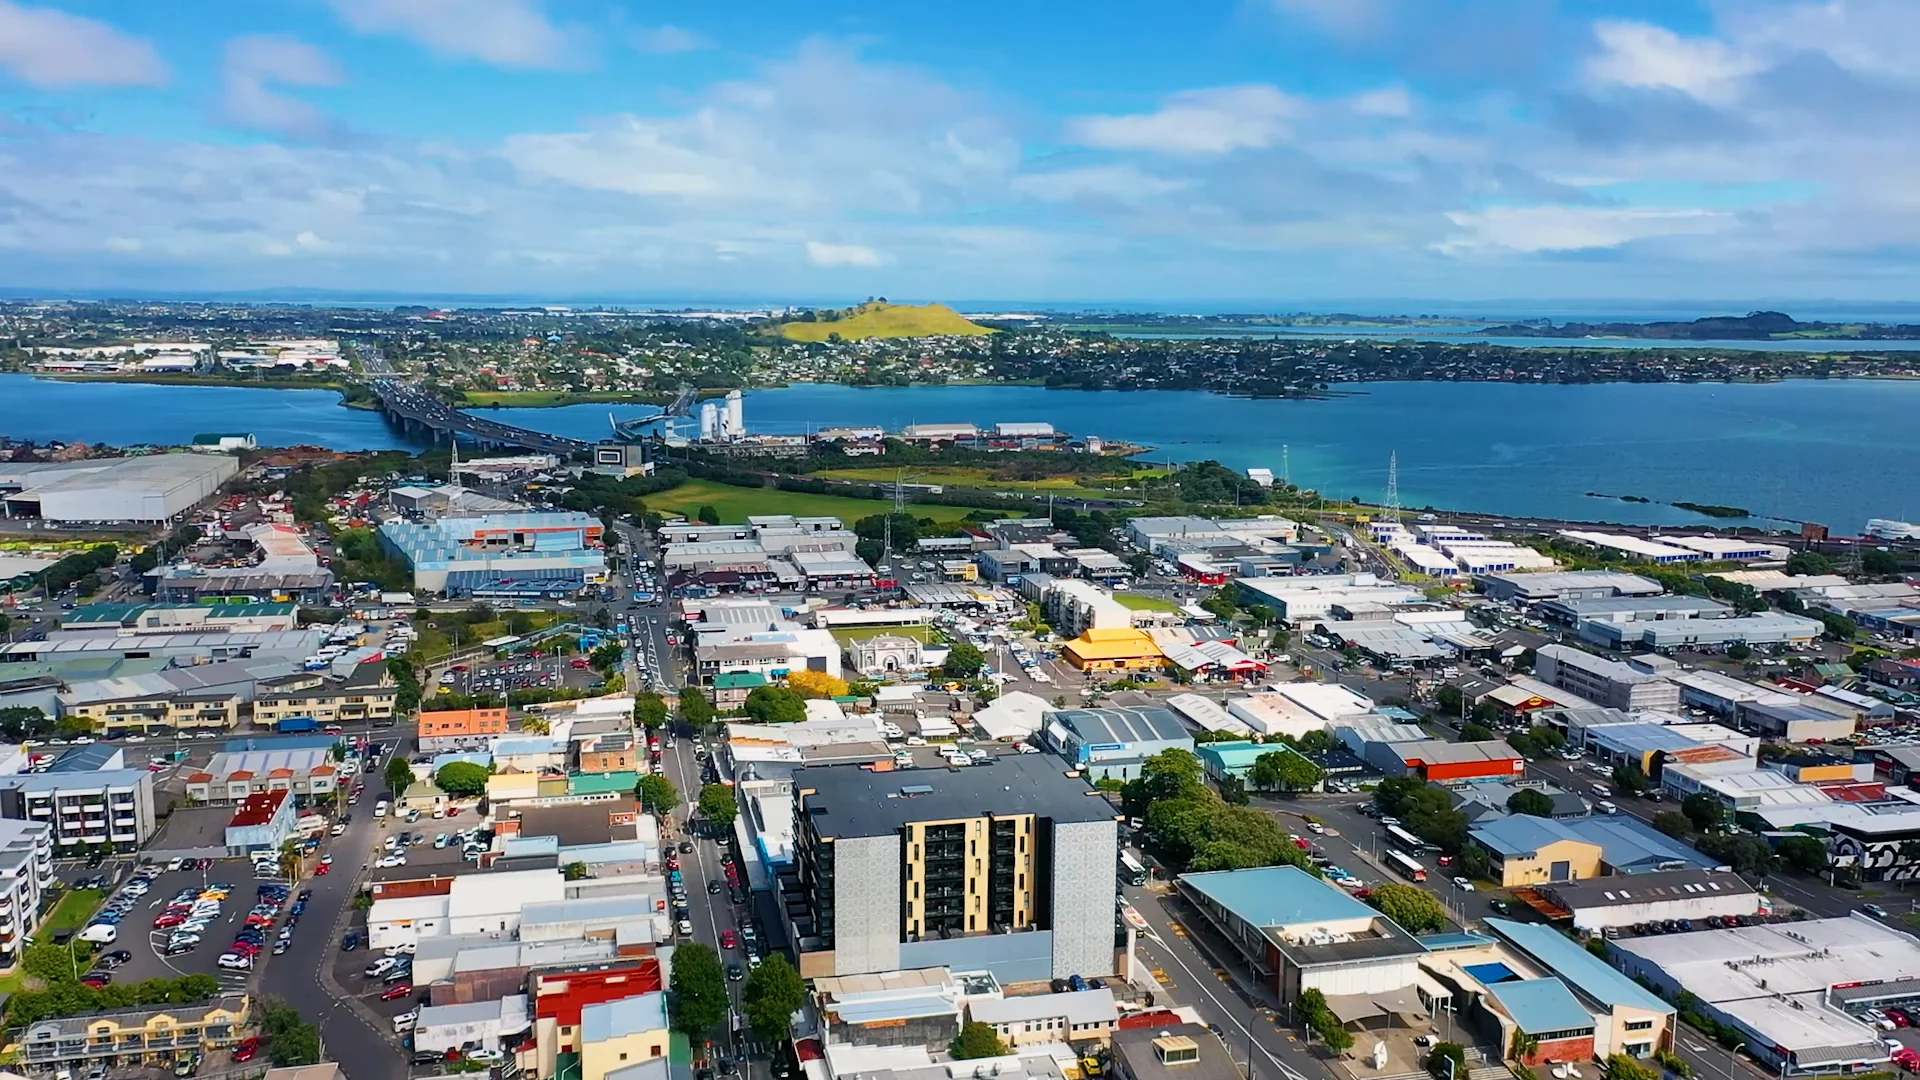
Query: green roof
[595,783]
[735,680]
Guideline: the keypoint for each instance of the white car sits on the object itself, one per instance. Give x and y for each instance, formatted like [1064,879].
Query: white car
[402,950]
[235,962]
[391,860]
[1463,884]
[486,1055]
[1315,827]
[405,1020]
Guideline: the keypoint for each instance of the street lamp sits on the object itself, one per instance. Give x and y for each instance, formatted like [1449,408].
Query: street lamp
[1733,1059]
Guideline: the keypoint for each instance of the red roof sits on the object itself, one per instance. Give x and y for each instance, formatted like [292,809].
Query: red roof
[562,996]
[240,774]
[258,809]
[199,777]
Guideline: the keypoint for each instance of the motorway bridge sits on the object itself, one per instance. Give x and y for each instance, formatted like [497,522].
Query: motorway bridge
[418,413]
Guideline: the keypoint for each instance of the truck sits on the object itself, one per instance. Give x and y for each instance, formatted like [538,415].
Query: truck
[296,725]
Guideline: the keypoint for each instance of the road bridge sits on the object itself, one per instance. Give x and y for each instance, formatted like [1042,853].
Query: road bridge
[417,413]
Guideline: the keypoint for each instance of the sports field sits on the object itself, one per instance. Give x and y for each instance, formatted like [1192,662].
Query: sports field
[848,634]
[1134,601]
[736,504]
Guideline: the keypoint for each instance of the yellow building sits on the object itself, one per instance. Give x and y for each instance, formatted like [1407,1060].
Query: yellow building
[1529,850]
[623,1032]
[143,713]
[1114,649]
[367,695]
[155,1035]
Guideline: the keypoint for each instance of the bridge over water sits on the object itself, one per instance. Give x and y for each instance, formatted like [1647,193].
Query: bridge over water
[417,413]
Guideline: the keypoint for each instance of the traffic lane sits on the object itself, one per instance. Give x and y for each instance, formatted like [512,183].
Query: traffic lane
[1358,844]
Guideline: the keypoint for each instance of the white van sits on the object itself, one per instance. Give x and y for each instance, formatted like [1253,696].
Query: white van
[1607,807]
[99,934]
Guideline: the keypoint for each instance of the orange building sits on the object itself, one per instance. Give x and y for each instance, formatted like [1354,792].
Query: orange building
[459,729]
[1117,648]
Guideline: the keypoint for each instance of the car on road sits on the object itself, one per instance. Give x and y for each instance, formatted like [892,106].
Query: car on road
[728,939]
[1316,827]
[1874,910]
[486,1055]
[406,1020]
[1463,884]
[713,887]
[734,974]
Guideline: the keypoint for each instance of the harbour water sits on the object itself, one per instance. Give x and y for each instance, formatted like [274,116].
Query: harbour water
[1828,451]
[1470,335]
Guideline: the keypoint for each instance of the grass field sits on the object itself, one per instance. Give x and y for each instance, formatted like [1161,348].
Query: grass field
[885,321]
[1134,601]
[736,504]
[954,477]
[72,912]
[847,634]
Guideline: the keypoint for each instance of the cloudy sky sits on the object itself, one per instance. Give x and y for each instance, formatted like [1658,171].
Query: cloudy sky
[1265,150]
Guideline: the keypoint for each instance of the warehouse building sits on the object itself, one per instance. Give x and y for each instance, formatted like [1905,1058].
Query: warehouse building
[1620,609]
[1435,760]
[460,555]
[1613,684]
[1114,743]
[1597,903]
[1792,992]
[1667,635]
[885,881]
[151,489]
[1529,850]
[1564,585]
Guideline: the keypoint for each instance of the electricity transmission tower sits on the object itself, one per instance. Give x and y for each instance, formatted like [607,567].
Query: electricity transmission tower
[1391,511]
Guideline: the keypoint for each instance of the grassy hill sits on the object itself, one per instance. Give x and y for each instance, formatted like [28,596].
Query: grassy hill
[883,320]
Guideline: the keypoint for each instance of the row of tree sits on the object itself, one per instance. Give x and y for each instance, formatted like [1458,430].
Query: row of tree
[1190,827]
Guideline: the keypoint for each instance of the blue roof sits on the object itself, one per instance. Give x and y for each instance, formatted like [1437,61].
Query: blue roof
[1625,844]
[1235,755]
[1542,1005]
[91,758]
[1576,966]
[625,1016]
[1276,896]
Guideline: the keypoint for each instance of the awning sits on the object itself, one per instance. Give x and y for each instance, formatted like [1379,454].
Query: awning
[1354,1008]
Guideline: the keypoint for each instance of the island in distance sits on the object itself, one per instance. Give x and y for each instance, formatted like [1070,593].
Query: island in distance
[1753,326]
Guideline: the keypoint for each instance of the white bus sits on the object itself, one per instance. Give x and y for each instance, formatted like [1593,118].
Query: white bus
[1131,870]
[1405,866]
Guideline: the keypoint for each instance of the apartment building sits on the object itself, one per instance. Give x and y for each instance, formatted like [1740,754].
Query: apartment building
[365,696]
[1007,865]
[109,806]
[143,710]
[26,871]
[233,776]
[460,729]
[154,1035]
[1628,685]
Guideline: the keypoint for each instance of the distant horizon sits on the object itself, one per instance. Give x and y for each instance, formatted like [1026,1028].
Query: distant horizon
[1618,309]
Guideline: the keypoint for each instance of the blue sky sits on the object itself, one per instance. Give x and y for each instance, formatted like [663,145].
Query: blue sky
[1278,152]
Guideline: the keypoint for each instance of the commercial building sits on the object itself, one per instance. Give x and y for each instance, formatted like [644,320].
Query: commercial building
[489,903]
[1597,903]
[1118,649]
[1008,865]
[1564,585]
[235,776]
[458,555]
[1666,635]
[262,822]
[155,1035]
[1528,850]
[1076,1017]
[460,729]
[1171,1052]
[479,1024]
[1297,932]
[1626,1018]
[150,489]
[1807,719]
[1435,760]
[1723,695]
[623,1032]
[561,998]
[920,1007]
[182,618]
[1648,550]
[26,874]
[1791,992]
[1613,684]
[161,702]
[1620,609]
[1114,742]
[110,806]
[1075,607]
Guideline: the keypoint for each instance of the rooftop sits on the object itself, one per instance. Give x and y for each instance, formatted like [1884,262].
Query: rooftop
[1625,845]
[1127,724]
[854,800]
[1647,888]
[1541,1005]
[1580,969]
[623,1016]
[1276,896]
[1079,1007]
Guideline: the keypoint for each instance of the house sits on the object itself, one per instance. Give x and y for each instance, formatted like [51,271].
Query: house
[730,688]
[231,777]
[488,1025]
[622,1032]
[561,999]
[1080,1016]
[460,729]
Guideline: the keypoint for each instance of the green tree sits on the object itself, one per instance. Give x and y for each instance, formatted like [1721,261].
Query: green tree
[1233,791]
[656,793]
[1746,854]
[1740,650]
[399,775]
[649,709]
[1628,779]
[707,515]
[1282,770]
[18,722]
[461,779]
[1473,731]
[1169,774]
[1333,1033]
[1416,910]
[1704,809]
[695,709]
[1674,824]
[1873,561]
[1531,802]
[772,994]
[964,661]
[605,658]
[1447,1061]
[775,705]
[1622,1067]
[519,622]
[976,1040]
[698,990]
[290,1039]
[574,871]
[1808,562]
[717,804]
[1802,854]
[1537,742]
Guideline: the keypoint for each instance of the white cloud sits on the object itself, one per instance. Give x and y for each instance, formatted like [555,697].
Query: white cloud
[667,39]
[1346,18]
[1649,57]
[253,64]
[1387,101]
[1530,229]
[820,254]
[53,49]
[510,33]
[1117,183]
[1211,121]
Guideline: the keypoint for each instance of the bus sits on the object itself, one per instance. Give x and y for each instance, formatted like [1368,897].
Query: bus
[1406,839]
[1131,871]
[1405,866]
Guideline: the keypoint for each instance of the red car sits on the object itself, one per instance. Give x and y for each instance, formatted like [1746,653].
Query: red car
[396,991]
[95,979]
[728,939]
[245,948]
[165,921]
[673,862]
[246,1048]
[1899,1016]
[323,868]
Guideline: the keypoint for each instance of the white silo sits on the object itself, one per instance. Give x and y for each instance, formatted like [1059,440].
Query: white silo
[709,421]
[736,425]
